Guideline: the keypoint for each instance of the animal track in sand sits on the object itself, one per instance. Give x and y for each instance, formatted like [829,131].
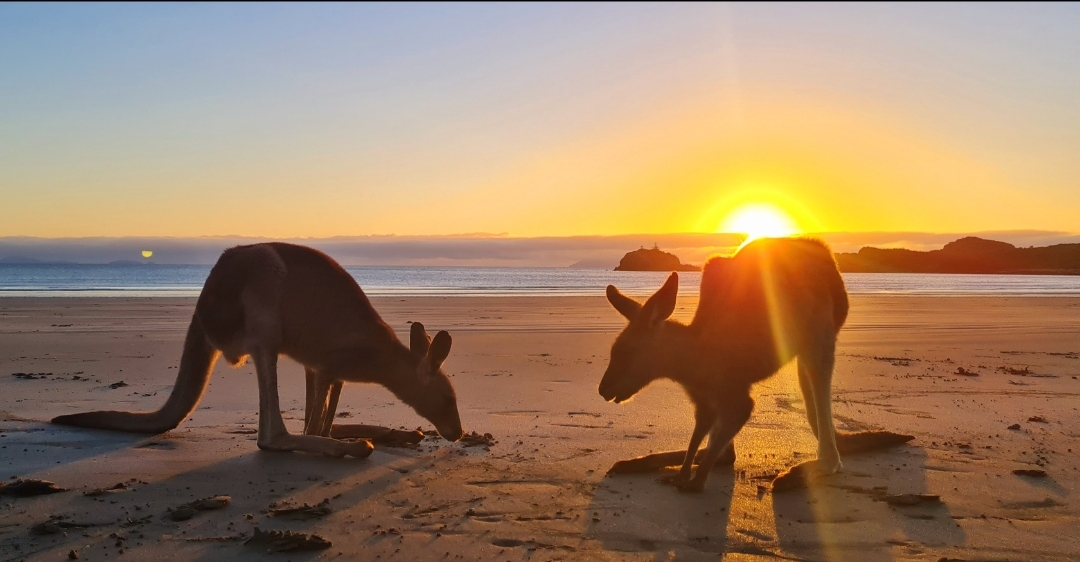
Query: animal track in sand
[523,482]
[164,445]
[1033,504]
[517,413]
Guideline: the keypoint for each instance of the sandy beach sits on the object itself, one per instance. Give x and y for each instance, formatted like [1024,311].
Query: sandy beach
[526,371]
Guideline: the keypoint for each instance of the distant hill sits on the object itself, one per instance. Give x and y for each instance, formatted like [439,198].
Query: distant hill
[653,260]
[24,260]
[597,263]
[966,255]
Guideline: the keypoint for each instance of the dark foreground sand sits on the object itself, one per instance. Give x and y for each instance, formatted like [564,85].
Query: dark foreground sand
[526,370]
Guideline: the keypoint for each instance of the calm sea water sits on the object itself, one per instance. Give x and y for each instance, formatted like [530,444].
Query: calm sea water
[186,280]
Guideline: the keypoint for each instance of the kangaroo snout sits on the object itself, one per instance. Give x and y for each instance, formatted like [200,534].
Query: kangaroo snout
[451,434]
[609,389]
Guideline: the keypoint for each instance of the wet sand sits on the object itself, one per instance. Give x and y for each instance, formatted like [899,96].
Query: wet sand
[526,370]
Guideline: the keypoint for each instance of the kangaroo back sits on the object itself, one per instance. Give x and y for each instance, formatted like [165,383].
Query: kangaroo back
[771,281]
[196,364]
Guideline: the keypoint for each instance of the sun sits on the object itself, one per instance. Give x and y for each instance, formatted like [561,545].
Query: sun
[759,220]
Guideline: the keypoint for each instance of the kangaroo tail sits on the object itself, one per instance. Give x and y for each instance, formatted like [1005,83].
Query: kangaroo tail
[196,364]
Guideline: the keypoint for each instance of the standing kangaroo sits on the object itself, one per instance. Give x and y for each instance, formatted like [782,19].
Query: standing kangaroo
[774,300]
[269,299]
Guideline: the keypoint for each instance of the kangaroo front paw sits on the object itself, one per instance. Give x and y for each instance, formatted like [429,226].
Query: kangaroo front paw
[677,479]
[692,486]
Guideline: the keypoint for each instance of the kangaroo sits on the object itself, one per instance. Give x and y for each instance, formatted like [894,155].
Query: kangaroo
[774,300]
[263,300]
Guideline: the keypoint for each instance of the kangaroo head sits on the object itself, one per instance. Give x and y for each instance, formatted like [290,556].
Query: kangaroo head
[435,400]
[634,355]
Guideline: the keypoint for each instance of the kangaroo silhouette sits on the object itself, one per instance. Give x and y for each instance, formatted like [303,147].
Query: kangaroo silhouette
[266,300]
[774,300]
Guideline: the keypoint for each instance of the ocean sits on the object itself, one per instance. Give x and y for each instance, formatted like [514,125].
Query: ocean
[186,281]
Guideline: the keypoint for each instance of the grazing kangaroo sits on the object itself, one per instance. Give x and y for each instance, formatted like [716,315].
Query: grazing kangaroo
[774,300]
[263,300]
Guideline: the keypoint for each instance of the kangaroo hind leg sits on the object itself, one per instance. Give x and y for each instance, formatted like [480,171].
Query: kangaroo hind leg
[321,403]
[807,388]
[331,408]
[819,360]
[273,435]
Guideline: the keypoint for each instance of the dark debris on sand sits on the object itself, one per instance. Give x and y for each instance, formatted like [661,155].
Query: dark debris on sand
[29,487]
[286,541]
[188,510]
[56,525]
[911,499]
[322,509]
[31,376]
[121,487]
[1031,472]
[474,439]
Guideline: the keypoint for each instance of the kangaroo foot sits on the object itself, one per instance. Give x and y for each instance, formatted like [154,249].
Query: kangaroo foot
[375,433]
[827,465]
[312,444]
[649,463]
[866,441]
[361,449]
[274,445]
[800,476]
[658,461]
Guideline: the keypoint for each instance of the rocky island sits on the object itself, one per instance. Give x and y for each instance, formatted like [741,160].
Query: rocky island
[653,259]
[966,255]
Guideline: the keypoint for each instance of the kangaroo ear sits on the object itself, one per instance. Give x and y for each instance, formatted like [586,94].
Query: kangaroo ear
[418,339]
[662,304]
[440,348]
[626,306]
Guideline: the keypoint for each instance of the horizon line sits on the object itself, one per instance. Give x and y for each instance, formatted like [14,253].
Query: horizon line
[508,236]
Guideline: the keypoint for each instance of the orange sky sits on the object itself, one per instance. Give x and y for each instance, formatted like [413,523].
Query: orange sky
[511,120]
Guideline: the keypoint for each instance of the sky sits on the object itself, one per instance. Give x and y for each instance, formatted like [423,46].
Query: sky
[300,120]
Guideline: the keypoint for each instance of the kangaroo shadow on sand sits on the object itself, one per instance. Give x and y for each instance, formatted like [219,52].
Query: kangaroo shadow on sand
[842,517]
[31,446]
[634,513]
[849,516]
[254,480]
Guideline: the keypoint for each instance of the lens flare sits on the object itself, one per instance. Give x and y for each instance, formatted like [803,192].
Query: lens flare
[759,220]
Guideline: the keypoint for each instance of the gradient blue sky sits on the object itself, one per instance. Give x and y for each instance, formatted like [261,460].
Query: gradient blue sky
[290,120]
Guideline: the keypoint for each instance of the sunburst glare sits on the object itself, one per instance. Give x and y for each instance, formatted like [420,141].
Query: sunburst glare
[759,220]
